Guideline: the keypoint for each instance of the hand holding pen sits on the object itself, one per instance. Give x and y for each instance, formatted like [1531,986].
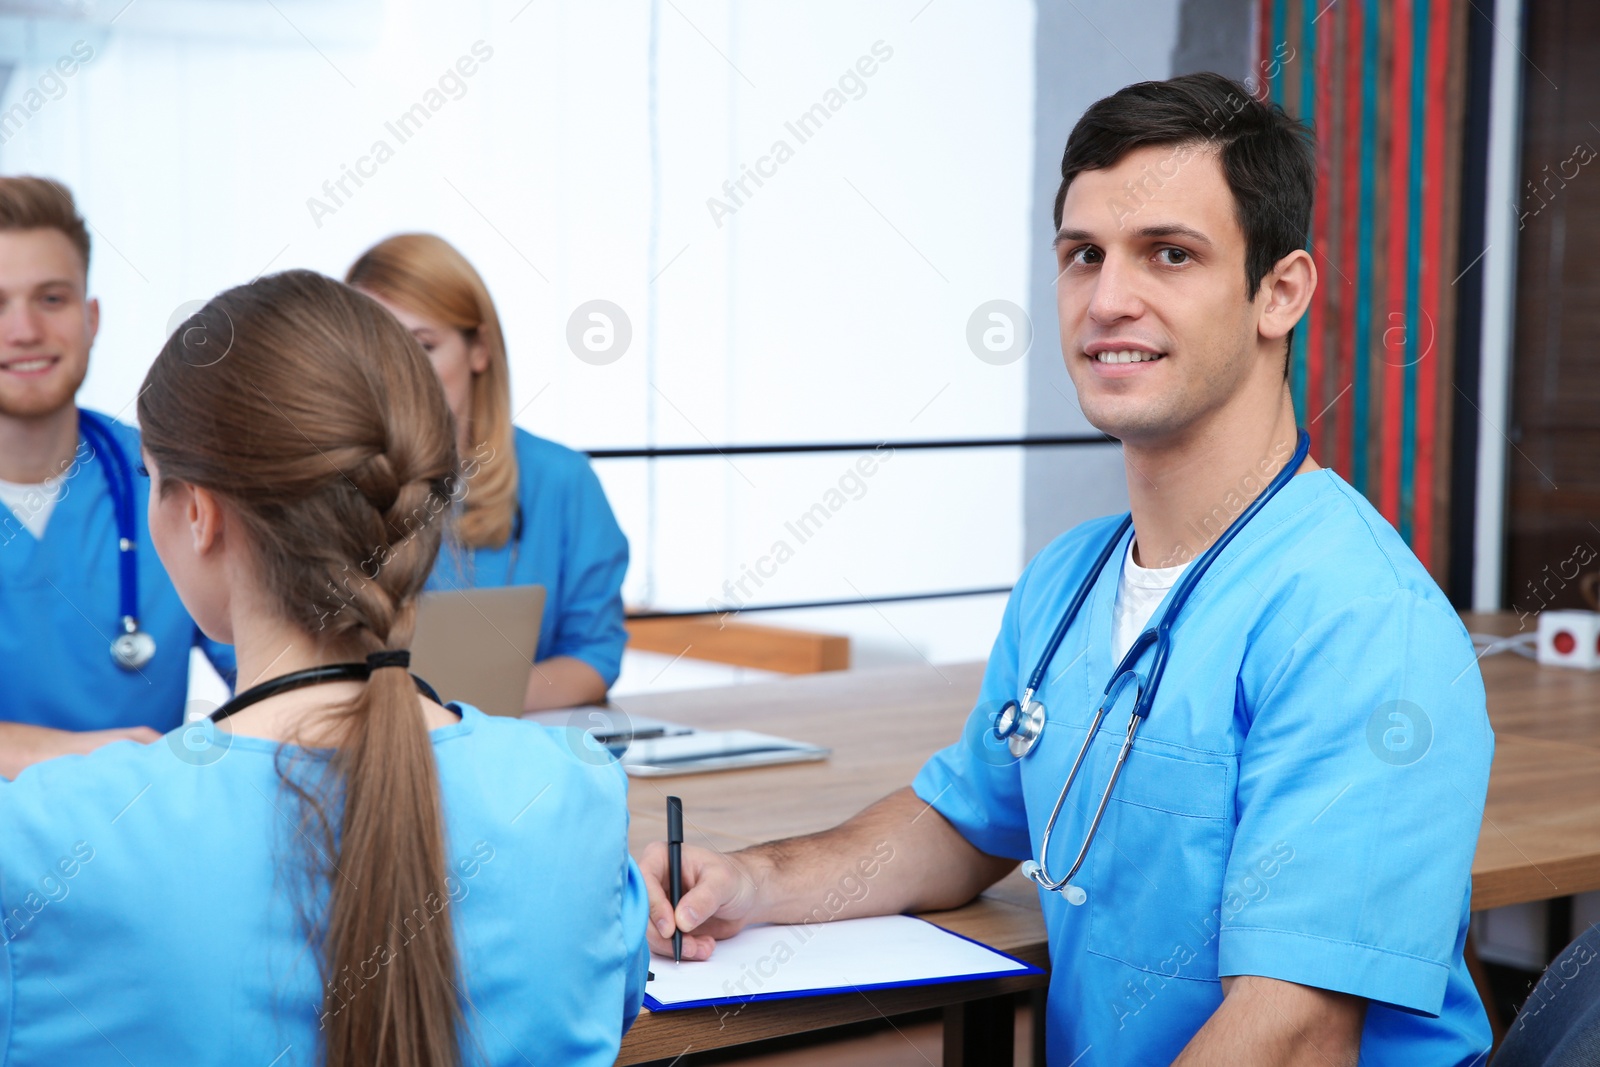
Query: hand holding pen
[697,895]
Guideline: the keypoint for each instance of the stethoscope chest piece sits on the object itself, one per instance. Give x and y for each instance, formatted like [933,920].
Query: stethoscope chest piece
[132,650]
[1020,726]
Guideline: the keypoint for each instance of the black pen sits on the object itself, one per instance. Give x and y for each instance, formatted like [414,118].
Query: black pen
[675,870]
[614,736]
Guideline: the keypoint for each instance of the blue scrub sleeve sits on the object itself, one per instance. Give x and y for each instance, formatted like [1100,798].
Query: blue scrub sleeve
[976,784]
[635,917]
[1361,788]
[589,624]
[222,658]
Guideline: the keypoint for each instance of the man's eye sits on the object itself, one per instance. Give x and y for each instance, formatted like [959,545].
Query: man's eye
[1084,254]
[1180,254]
[141,470]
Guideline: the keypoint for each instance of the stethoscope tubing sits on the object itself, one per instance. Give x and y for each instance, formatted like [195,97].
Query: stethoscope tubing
[119,483]
[1158,634]
[1036,679]
[466,560]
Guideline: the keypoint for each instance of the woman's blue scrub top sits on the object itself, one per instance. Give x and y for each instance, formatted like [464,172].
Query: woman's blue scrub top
[59,612]
[148,912]
[570,543]
[1303,802]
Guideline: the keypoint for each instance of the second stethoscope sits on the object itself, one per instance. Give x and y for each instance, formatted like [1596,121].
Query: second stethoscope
[1021,722]
[133,647]
[467,558]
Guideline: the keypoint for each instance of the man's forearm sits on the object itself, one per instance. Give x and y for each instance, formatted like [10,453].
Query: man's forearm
[23,744]
[899,855]
[1263,1021]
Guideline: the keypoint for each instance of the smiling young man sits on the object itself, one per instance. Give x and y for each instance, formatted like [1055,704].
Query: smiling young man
[62,577]
[1282,872]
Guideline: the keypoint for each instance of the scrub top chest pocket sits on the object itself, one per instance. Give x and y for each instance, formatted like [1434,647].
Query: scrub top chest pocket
[1156,887]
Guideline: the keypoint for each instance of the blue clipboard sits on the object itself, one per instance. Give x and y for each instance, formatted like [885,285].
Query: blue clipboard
[1020,968]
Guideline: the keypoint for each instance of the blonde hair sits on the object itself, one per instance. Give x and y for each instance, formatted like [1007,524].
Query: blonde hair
[425,274]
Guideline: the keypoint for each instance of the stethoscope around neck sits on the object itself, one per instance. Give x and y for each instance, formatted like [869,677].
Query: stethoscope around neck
[1020,723]
[133,647]
[332,672]
[466,559]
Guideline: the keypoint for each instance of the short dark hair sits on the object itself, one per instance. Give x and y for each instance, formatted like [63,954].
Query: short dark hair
[1268,158]
[43,204]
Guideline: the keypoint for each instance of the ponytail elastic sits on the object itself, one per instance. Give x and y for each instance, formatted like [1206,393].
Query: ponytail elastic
[388,658]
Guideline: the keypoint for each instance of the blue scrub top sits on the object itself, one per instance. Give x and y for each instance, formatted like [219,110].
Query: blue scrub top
[147,911]
[1303,802]
[59,612]
[570,543]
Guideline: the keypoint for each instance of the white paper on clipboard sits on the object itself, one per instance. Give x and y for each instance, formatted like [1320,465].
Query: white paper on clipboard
[778,962]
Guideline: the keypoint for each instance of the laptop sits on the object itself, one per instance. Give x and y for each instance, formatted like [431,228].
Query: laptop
[476,646]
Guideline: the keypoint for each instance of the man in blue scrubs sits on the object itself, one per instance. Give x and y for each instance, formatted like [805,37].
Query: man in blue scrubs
[1283,872]
[60,584]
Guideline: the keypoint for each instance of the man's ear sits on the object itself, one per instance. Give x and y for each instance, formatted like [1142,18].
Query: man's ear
[92,312]
[206,519]
[1285,294]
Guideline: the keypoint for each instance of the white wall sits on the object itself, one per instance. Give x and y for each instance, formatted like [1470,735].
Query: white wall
[831,305]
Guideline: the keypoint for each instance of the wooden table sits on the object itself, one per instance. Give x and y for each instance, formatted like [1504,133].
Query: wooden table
[1540,838]
[1541,826]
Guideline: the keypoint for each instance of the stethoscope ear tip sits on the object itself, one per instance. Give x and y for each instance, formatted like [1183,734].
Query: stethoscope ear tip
[1035,873]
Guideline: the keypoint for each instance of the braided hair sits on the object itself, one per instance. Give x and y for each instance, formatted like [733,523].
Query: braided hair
[319,423]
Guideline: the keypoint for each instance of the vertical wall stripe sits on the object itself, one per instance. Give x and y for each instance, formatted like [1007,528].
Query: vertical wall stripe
[1432,279]
[1415,327]
[1278,26]
[1391,348]
[1359,354]
[1321,325]
[1350,247]
[1300,358]
[1264,47]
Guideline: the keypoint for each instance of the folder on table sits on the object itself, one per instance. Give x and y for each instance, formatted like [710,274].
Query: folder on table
[808,960]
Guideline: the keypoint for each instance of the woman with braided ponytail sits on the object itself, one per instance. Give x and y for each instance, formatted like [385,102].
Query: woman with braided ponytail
[333,868]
